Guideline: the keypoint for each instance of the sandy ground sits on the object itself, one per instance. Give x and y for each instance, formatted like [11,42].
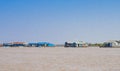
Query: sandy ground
[59,59]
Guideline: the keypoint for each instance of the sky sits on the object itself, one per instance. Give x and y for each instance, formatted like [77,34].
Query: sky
[58,21]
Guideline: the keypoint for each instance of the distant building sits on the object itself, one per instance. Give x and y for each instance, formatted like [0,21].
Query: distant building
[112,43]
[45,44]
[76,44]
[7,44]
[14,44]
[41,44]
[32,45]
[70,44]
[81,44]
[23,44]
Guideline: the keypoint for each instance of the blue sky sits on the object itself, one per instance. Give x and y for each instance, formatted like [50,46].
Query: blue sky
[58,21]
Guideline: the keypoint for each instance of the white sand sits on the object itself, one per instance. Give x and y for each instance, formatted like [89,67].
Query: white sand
[59,59]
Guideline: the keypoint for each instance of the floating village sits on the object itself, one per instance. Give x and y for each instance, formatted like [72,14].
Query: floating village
[110,43]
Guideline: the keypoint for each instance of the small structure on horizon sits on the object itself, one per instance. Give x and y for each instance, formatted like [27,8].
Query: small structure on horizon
[23,44]
[41,44]
[14,44]
[112,43]
[76,44]
[70,44]
[46,44]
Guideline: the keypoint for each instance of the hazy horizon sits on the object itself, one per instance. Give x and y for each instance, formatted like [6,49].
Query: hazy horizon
[58,21]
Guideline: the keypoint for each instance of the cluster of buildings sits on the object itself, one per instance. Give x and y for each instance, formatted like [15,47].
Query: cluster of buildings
[23,44]
[111,43]
[76,44]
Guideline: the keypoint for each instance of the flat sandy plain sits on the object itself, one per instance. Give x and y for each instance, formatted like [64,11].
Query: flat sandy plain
[59,59]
